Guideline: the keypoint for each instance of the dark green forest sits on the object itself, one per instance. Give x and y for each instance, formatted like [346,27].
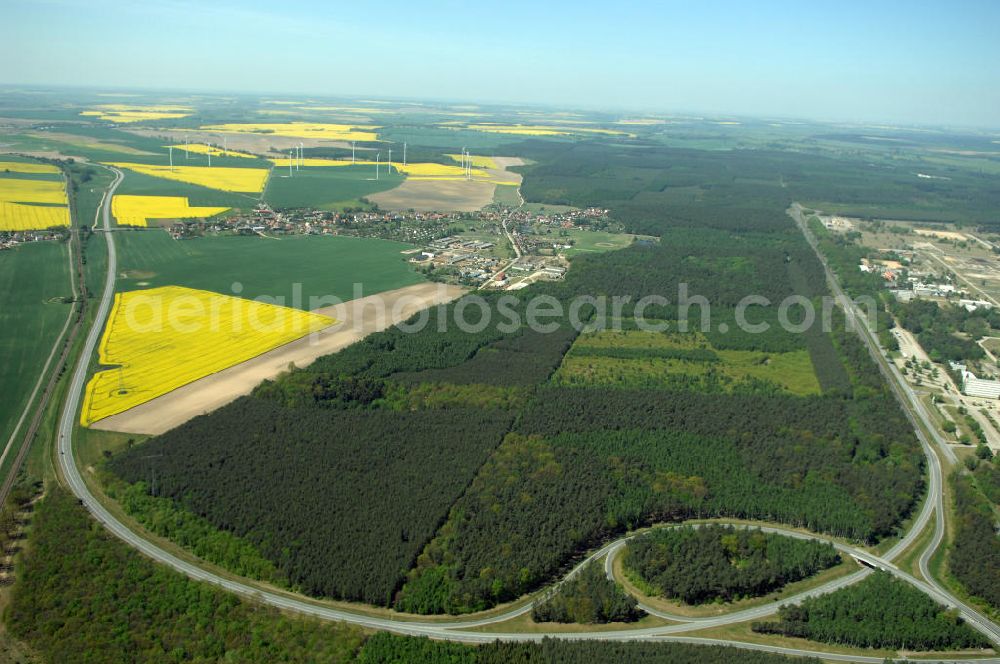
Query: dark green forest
[589,597]
[974,558]
[388,649]
[712,563]
[84,596]
[879,612]
[343,503]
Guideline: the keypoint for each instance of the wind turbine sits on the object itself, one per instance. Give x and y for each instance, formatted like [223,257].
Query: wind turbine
[171,148]
[377,155]
[352,152]
[404,154]
[290,160]
[390,162]
[209,152]
[187,142]
[225,146]
[300,157]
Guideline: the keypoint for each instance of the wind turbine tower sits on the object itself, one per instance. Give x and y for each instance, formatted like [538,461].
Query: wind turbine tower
[352,152]
[390,162]
[209,152]
[290,160]
[171,159]
[225,146]
[301,159]
[187,142]
[404,154]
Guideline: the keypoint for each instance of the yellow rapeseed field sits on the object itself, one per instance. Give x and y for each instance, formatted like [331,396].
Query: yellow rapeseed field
[540,130]
[316,161]
[201,148]
[18,217]
[477,161]
[334,132]
[27,167]
[163,338]
[49,195]
[427,169]
[153,108]
[137,113]
[357,110]
[16,190]
[132,210]
[249,180]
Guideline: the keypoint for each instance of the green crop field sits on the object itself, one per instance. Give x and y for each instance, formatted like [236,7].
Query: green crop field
[506,194]
[640,358]
[264,266]
[30,320]
[589,241]
[328,188]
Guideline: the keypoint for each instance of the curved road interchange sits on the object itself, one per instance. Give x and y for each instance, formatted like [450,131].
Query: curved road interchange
[463,629]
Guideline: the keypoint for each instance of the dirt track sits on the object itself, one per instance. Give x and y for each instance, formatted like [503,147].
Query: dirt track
[355,320]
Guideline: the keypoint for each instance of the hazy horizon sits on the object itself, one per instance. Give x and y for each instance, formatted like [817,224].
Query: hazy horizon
[896,63]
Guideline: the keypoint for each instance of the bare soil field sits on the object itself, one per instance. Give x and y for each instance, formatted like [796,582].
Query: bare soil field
[355,320]
[436,196]
[87,142]
[447,195]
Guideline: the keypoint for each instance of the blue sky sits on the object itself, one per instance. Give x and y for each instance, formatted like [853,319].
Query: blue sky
[901,62]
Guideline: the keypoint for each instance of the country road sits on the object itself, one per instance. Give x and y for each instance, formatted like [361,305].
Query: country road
[463,629]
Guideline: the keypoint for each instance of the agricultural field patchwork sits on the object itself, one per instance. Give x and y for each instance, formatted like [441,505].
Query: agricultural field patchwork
[332,132]
[243,180]
[73,144]
[159,339]
[316,162]
[215,151]
[438,171]
[140,210]
[637,358]
[125,113]
[313,266]
[328,188]
[478,161]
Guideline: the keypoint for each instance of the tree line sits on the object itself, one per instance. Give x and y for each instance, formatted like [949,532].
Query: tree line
[879,612]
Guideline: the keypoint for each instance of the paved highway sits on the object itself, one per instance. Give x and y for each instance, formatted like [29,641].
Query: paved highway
[462,630]
[911,406]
